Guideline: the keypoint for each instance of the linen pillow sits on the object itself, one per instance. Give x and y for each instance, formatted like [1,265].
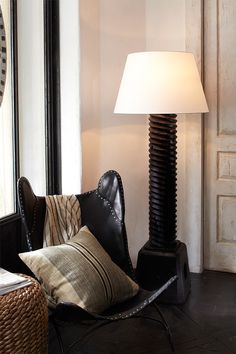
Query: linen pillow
[80,271]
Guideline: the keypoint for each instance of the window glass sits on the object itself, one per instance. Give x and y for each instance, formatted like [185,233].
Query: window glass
[30,28]
[70,104]
[7,163]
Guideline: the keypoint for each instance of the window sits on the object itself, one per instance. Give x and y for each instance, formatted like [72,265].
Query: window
[47,150]
[8,110]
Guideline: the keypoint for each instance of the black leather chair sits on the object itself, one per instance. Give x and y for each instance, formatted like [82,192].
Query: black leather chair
[106,222]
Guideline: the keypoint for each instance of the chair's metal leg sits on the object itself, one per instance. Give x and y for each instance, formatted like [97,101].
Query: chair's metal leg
[166,327]
[80,339]
[94,327]
[104,322]
[60,342]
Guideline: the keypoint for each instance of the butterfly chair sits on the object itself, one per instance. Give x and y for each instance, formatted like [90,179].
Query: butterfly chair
[102,211]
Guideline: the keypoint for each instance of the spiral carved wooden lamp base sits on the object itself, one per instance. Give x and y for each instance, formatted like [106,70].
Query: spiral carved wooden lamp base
[163,256]
[162,181]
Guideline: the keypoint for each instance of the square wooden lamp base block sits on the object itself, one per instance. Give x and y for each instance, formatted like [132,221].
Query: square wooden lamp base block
[155,267]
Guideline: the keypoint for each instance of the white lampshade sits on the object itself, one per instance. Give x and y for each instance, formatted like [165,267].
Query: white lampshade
[161,82]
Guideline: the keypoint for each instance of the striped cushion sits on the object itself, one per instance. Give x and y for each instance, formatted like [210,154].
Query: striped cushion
[80,271]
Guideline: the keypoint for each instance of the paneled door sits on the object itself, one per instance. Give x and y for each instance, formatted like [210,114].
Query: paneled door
[220,135]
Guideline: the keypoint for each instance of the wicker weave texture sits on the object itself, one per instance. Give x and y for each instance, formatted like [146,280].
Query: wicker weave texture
[24,321]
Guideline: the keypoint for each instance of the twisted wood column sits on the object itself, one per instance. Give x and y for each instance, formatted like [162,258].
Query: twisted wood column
[162,181]
[163,256]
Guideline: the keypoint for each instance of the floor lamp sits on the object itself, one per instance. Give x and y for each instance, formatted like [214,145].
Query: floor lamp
[162,84]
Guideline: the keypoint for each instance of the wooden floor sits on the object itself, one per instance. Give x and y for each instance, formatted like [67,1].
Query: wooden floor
[206,323]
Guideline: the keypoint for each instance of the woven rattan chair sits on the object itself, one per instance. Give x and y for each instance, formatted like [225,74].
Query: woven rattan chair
[102,210]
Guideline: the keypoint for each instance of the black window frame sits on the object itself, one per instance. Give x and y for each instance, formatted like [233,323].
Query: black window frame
[52,100]
[52,96]
[10,225]
[15,109]
[11,232]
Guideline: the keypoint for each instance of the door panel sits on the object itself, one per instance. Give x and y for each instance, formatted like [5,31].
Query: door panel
[220,135]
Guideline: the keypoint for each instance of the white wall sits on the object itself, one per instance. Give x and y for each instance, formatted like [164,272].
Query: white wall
[111,29]
[108,34]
